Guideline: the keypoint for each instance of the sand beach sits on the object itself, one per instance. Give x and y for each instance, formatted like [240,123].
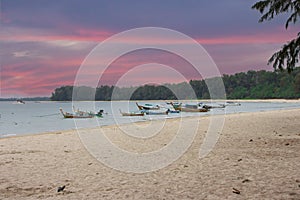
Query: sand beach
[256,157]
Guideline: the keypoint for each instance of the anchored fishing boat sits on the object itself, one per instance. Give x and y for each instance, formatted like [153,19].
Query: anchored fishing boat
[189,108]
[211,106]
[19,101]
[75,115]
[155,112]
[131,113]
[231,103]
[148,106]
[80,112]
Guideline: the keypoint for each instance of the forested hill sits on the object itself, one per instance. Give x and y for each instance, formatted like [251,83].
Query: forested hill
[244,85]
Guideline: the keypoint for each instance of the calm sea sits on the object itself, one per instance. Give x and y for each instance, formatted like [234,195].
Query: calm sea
[38,117]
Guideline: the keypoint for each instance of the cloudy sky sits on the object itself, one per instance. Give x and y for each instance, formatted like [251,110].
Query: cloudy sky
[44,43]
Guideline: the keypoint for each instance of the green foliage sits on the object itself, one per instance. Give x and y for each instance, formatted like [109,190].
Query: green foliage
[63,93]
[152,92]
[245,85]
[276,7]
[289,54]
[297,83]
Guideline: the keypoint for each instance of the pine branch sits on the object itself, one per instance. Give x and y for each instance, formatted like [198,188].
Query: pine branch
[288,56]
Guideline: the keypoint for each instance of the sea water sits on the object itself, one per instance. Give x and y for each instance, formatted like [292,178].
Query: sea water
[39,117]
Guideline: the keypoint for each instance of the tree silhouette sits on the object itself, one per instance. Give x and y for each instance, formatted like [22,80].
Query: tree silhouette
[288,56]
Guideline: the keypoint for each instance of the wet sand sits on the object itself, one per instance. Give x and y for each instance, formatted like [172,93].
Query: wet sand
[257,157]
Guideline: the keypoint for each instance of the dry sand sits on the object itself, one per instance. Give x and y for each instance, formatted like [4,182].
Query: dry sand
[258,154]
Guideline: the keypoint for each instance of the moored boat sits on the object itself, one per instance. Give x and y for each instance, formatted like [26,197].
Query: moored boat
[80,113]
[131,113]
[19,101]
[189,108]
[176,106]
[75,115]
[155,112]
[148,106]
[174,111]
[186,109]
[211,106]
[231,103]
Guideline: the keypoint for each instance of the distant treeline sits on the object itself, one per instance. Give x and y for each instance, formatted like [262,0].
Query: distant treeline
[245,85]
[27,99]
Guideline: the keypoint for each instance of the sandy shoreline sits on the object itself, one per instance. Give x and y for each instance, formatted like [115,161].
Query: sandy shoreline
[257,153]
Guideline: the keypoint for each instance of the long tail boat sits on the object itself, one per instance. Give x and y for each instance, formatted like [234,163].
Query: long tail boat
[74,115]
[155,112]
[189,108]
[131,113]
[148,106]
[80,113]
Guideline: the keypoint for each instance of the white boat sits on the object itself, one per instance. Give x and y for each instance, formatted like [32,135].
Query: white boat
[19,101]
[155,112]
[148,106]
[211,106]
[231,103]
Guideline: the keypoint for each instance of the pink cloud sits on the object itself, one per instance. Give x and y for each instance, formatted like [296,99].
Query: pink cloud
[57,66]
[279,36]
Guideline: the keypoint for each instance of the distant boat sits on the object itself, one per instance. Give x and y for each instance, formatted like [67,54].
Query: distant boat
[19,101]
[148,106]
[231,103]
[131,113]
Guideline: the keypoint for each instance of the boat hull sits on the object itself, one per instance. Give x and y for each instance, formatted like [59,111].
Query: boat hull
[183,109]
[149,112]
[147,107]
[77,116]
[131,114]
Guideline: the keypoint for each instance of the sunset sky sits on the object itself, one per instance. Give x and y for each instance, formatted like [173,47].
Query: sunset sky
[43,42]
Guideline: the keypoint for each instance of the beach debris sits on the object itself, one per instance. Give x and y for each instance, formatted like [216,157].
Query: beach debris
[61,188]
[239,160]
[168,190]
[109,189]
[292,193]
[287,144]
[236,191]
[90,163]
[250,140]
[245,180]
